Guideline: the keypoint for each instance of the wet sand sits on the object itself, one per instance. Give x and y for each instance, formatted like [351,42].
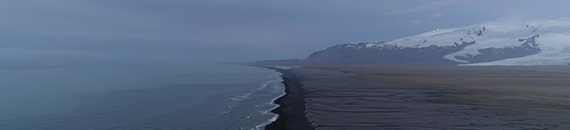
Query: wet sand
[291,108]
[422,98]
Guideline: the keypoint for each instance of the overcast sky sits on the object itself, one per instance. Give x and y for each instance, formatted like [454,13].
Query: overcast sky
[230,30]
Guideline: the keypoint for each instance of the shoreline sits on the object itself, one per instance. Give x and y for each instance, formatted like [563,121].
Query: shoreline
[291,110]
[422,98]
[431,97]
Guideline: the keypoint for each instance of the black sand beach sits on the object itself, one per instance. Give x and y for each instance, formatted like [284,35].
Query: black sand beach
[292,105]
[475,98]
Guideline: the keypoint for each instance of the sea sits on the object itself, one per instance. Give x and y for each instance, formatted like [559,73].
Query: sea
[169,96]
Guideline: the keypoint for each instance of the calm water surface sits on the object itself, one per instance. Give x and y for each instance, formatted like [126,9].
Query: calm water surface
[185,96]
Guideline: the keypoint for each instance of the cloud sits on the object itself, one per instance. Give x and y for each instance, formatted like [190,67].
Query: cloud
[430,6]
[435,15]
[416,22]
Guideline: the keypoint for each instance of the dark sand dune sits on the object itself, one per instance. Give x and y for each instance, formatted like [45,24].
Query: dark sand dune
[482,98]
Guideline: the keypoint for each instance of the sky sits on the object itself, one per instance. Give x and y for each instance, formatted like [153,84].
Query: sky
[230,30]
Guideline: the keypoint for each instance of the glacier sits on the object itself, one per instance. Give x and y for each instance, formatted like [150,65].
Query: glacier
[518,41]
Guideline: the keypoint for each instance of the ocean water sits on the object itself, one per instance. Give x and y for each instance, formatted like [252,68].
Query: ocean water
[137,97]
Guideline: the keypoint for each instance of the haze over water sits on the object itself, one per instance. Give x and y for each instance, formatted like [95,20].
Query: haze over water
[143,96]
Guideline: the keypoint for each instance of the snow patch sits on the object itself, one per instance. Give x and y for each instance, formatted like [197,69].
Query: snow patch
[554,40]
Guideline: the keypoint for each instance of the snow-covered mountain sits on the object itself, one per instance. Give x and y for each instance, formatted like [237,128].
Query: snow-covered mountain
[500,42]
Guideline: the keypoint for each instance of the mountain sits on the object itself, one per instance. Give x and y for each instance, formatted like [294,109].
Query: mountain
[500,42]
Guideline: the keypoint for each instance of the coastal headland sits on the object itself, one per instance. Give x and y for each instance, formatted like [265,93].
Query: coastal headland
[425,98]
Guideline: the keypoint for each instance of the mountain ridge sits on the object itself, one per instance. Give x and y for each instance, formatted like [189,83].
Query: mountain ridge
[500,42]
[503,42]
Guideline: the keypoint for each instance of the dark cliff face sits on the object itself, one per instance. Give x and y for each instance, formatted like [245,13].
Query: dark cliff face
[385,54]
[433,55]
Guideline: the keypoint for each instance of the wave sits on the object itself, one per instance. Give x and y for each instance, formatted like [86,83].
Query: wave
[275,80]
[273,119]
[261,98]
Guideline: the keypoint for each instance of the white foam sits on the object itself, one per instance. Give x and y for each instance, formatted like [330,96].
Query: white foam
[275,80]
[276,84]
[258,127]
